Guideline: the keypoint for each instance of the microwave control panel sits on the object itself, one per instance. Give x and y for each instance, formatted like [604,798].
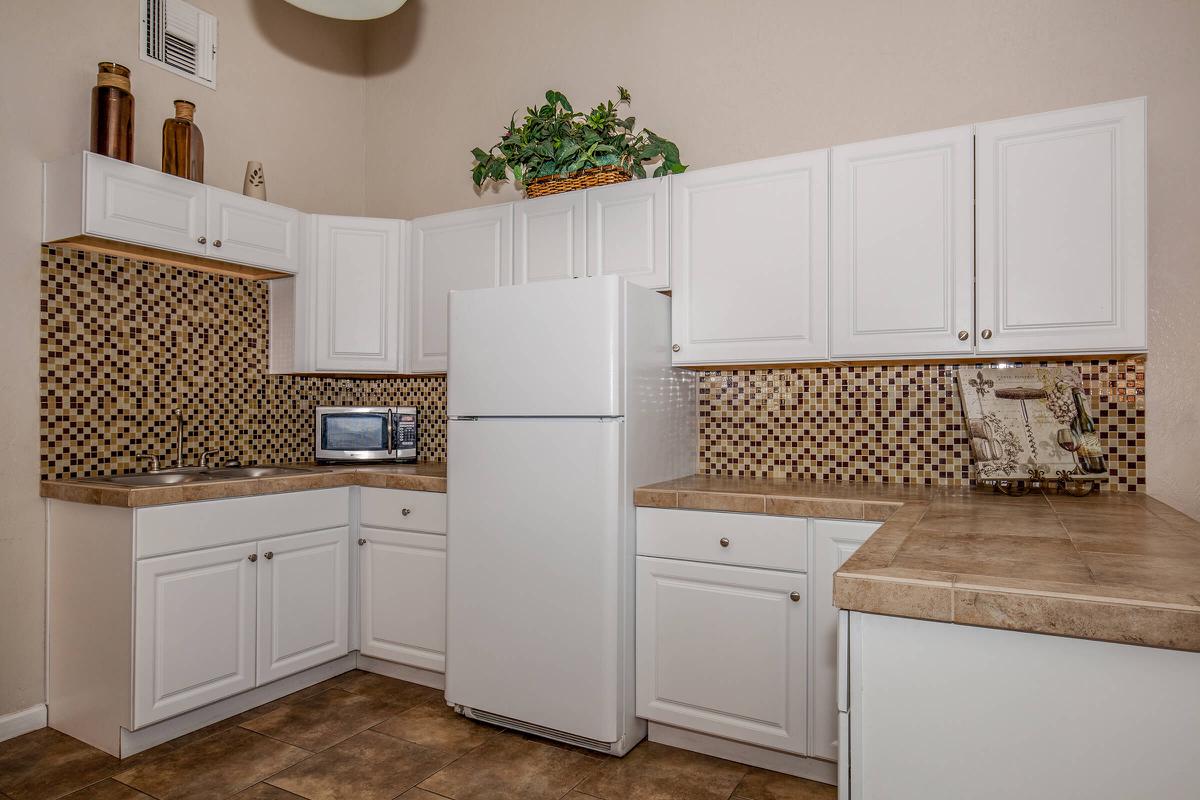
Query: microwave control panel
[406,432]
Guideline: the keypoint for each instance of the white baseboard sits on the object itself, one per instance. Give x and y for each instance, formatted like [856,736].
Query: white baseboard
[435,680]
[19,722]
[812,768]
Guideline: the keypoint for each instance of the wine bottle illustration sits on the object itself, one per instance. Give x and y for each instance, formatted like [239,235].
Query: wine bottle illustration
[1089,451]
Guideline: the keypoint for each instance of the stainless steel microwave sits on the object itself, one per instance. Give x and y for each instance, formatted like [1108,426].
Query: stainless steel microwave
[366,433]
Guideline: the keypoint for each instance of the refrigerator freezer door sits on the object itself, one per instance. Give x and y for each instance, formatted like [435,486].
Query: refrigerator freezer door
[533,556]
[549,349]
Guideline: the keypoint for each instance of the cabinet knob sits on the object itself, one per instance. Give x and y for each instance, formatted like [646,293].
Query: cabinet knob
[252,557]
[268,555]
[963,336]
[986,333]
[202,240]
[361,542]
[795,597]
[406,511]
[674,348]
[217,243]
[724,542]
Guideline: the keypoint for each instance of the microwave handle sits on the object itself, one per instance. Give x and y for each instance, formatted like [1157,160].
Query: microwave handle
[391,437]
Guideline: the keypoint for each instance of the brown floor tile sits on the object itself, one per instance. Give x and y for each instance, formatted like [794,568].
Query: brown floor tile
[322,721]
[317,688]
[159,751]
[46,763]
[108,789]
[214,767]
[653,771]
[761,784]
[369,766]
[435,724]
[396,694]
[417,793]
[508,767]
[264,791]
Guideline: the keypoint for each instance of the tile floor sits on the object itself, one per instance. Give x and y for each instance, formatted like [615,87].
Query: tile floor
[361,736]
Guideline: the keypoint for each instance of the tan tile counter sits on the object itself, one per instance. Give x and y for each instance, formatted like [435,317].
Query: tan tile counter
[419,477]
[1116,566]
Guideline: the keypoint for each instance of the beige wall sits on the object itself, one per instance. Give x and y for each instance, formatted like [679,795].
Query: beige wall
[730,81]
[290,94]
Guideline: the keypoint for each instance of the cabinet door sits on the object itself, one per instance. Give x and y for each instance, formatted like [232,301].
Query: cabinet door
[358,293]
[549,238]
[303,601]
[628,232]
[135,204]
[194,630]
[251,231]
[901,251]
[463,250]
[833,541]
[1061,231]
[722,650]
[749,259]
[402,597]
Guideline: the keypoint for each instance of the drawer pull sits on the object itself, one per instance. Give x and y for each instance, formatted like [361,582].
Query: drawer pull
[406,511]
[252,557]
[268,555]
[724,542]
[795,597]
[361,542]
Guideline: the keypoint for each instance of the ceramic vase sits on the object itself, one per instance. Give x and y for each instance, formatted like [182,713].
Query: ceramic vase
[255,184]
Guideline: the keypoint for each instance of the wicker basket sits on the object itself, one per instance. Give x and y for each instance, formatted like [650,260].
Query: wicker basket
[584,179]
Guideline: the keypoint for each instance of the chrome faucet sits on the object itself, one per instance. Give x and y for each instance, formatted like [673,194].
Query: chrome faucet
[178,416]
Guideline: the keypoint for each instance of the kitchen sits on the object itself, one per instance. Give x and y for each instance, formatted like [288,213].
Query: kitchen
[795,391]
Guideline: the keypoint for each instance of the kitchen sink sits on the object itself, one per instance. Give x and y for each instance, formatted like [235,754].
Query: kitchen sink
[253,472]
[154,479]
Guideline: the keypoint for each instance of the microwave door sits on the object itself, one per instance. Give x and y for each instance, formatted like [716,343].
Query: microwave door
[354,436]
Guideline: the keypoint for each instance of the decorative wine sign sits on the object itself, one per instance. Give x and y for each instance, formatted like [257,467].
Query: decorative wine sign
[1029,426]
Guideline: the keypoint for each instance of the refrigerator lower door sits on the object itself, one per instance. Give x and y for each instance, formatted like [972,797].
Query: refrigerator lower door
[550,349]
[534,534]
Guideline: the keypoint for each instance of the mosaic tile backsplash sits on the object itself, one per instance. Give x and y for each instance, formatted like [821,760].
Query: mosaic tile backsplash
[123,342]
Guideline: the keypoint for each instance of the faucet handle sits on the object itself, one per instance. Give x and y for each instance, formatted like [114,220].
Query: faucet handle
[205,456]
[155,465]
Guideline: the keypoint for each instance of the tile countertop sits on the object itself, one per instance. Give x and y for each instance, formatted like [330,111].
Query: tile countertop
[1117,566]
[425,476]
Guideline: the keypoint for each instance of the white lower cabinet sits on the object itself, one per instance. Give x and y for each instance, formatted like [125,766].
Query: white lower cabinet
[402,597]
[722,650]
[833,541]
[303,601]
[195,630]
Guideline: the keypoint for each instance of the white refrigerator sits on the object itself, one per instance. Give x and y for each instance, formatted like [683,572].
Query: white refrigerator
[562,400]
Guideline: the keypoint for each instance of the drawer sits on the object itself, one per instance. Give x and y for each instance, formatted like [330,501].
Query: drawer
[210,523]
[751,540]
[401,509]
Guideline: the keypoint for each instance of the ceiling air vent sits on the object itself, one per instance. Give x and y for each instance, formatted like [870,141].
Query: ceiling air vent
[180,38]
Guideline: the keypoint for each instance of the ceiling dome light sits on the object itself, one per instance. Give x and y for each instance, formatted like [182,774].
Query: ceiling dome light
[349,9]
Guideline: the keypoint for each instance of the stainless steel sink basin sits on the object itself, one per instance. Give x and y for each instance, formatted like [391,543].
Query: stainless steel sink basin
[253,472]
[155,479]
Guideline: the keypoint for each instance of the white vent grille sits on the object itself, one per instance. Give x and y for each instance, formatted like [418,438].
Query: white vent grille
[180,38]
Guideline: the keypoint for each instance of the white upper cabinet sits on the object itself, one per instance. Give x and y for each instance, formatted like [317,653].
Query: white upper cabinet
[901,251]
[1061,231]
[549,238]
[134,204]
[628,232]
[749,261]
[461,250]
[251,231]
[358,285]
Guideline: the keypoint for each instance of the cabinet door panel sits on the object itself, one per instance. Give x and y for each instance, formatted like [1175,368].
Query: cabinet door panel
[194,632]
[549,238]
[303,601]
[358,295]
[463,250]
[135,204]
[902,256]
[749,259]
[628,232]
[833,541]
[1061,219]
[402,597]
[722,650]
[253,232]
